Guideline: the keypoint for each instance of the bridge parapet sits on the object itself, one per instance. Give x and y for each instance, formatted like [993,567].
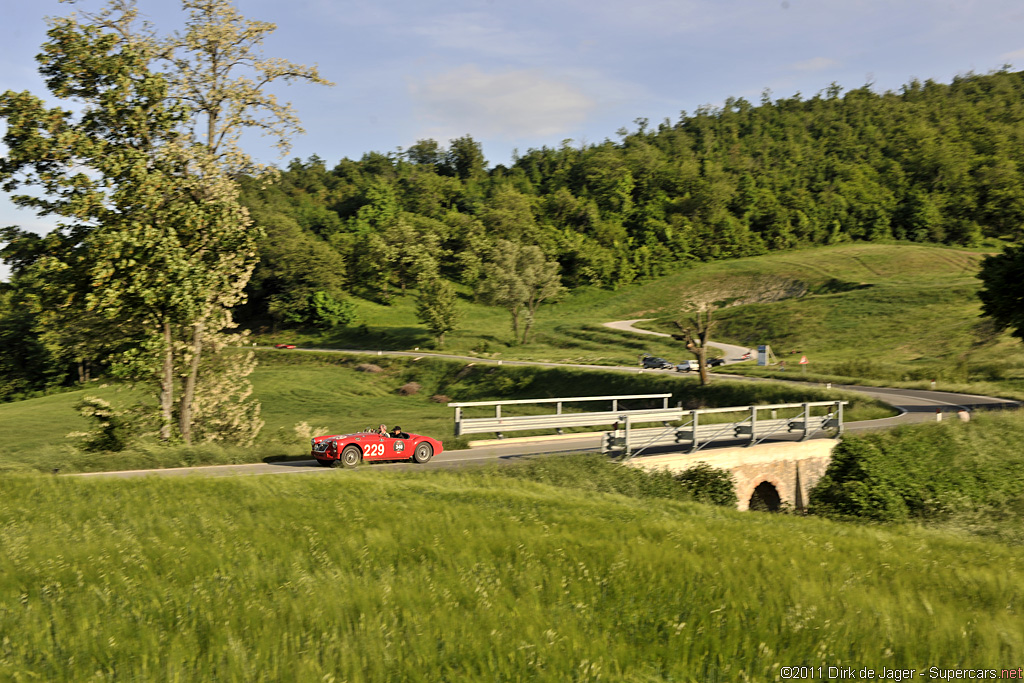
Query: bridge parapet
[810,420]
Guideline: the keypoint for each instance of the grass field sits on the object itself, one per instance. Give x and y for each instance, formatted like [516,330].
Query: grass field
[383,576]
[330,394]
[884,312]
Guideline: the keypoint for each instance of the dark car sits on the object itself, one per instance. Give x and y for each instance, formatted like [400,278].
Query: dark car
[715,362]
[654,363]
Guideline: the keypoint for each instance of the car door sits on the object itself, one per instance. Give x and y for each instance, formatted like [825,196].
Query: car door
[376,447]
[398,448]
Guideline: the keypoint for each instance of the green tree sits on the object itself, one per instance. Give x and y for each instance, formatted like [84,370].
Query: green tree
[437,306]
[1002,292]
[160,241]
[519,279]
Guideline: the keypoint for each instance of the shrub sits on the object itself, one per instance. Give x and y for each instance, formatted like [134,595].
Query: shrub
[369,367]
[707,484]
[114,430]
[860,482]
[440,398]
[409,389]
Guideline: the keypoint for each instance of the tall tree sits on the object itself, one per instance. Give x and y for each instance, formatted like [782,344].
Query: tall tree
[437,306]
[1002,293]
[519,279]
[160,240]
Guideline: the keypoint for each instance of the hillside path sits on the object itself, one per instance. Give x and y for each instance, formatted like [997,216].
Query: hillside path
[733,353]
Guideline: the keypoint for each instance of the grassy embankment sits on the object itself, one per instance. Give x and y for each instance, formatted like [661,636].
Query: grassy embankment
[375,575]
[330,395]
[882,313]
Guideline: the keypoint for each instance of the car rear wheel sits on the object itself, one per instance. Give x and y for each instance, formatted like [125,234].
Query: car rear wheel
[351,456]
[423,453]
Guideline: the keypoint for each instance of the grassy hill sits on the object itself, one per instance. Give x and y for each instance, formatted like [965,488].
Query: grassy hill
[891,313]
[373,575]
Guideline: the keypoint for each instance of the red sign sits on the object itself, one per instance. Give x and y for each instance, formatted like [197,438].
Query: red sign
[803,360]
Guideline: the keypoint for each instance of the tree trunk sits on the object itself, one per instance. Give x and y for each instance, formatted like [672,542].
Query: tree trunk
[530,308]
[189,392]
[527,326]
[702,358]
[515,322]
[167,386]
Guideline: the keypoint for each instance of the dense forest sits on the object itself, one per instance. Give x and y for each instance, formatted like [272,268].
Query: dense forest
[932,163]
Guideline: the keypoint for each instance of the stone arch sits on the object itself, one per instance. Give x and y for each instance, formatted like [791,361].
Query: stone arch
[765,498]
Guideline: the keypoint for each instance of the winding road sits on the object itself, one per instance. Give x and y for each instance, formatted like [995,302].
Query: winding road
[733,353]
[914,405]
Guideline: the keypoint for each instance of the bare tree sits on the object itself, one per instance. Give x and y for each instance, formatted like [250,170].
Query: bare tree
[699,308]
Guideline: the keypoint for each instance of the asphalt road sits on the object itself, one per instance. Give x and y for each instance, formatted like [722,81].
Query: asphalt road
[915,405]
[733,353]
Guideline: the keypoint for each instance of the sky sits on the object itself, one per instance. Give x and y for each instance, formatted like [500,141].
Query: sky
[521,74]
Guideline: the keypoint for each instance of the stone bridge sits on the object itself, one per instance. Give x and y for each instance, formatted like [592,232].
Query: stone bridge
[767,476]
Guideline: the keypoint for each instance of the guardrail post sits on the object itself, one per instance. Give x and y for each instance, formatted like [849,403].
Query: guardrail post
[753,425]
[497,412]
[664,403]
[693,421]
[615,404]
[458,422]
[839,416]
[807,423]
[558,408]
[626,445]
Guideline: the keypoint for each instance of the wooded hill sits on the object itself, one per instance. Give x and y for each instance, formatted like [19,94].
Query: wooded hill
[931,163]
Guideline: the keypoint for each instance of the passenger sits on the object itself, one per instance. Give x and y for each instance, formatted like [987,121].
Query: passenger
[383,430]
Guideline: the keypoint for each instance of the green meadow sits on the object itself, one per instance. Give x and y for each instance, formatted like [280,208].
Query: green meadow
[442,576]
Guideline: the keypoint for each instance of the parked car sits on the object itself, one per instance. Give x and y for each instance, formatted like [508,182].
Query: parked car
[654,363]
[687,366]
[348,450]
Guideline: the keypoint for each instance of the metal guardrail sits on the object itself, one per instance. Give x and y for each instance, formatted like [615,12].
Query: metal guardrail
[559,420]
[694,435]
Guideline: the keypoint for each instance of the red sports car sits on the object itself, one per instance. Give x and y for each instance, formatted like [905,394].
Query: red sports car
[284,346]
[348,450]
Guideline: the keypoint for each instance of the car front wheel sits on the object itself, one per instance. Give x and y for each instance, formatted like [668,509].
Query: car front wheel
[351,456]
[423,453]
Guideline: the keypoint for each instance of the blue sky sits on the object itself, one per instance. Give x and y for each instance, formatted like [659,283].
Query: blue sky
[529,73]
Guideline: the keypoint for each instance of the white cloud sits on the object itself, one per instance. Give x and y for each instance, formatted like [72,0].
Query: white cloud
[508,104]
[1017,56]
[480,34]
[815,64]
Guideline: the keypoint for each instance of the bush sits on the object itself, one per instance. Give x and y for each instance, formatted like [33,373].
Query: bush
[409,389]
[707,484]
[114,431]
[369,367]
[859,482]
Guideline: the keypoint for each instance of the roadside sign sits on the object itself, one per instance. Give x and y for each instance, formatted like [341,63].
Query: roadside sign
[803,360]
